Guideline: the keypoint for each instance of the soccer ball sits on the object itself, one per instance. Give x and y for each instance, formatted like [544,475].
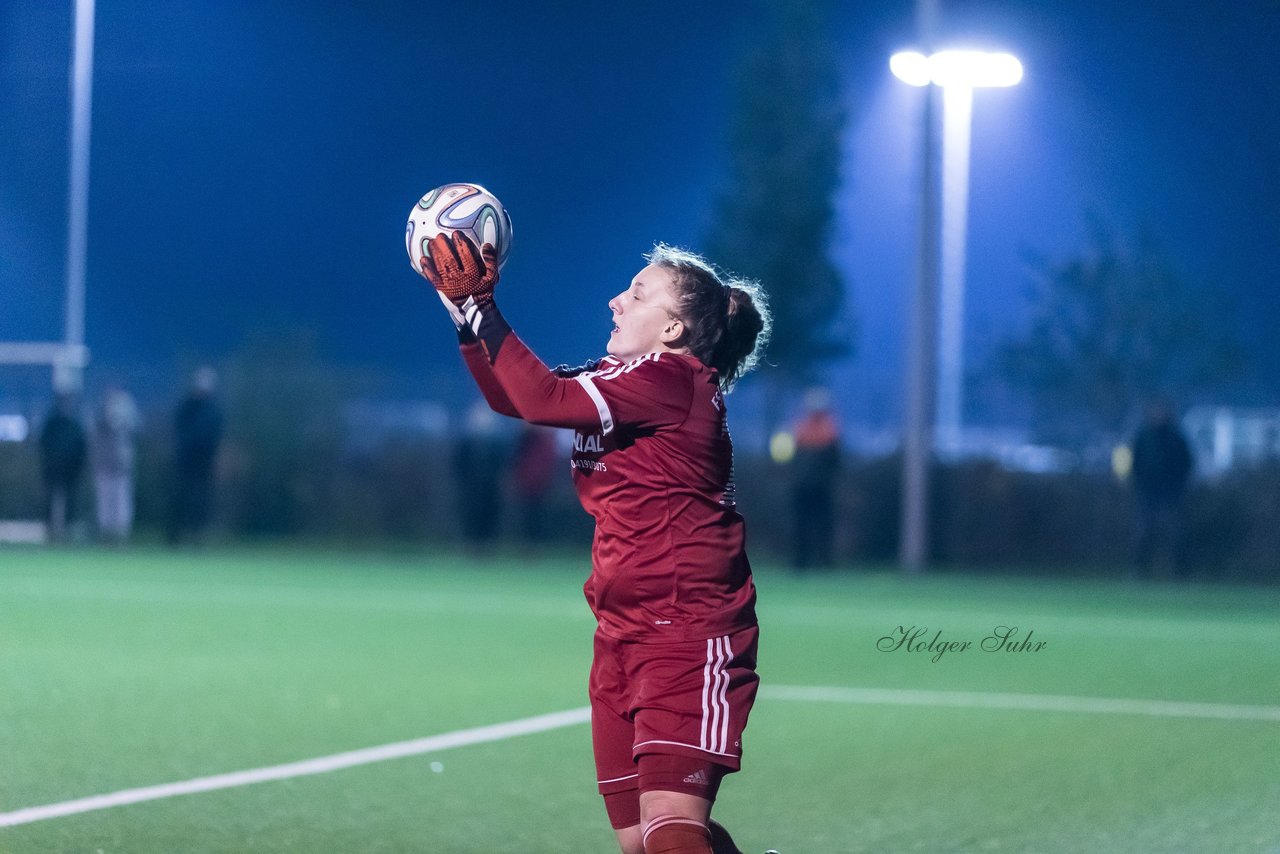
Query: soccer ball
[468,208]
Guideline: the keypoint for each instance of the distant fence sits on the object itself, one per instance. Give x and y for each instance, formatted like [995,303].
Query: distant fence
[984,516]
[988,517]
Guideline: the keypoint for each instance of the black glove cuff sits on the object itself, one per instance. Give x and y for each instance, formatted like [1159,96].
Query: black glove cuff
[485,322]
[567,371]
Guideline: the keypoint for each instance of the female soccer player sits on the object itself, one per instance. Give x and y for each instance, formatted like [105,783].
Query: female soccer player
[673,677]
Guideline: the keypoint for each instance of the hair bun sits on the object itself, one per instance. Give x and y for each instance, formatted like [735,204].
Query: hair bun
[727,319]
[747,327]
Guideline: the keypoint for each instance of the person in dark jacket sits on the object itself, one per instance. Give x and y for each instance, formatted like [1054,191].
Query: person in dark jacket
[62,459]
[1162,465]
[813,487]
[198,435]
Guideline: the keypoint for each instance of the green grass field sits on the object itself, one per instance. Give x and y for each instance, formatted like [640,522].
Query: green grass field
[1149,721]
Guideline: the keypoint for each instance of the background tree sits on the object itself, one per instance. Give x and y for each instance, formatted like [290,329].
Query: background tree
[774,218]
[1112,328]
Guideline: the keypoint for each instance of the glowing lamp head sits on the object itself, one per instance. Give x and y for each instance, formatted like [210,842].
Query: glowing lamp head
[973,69]
[910,67]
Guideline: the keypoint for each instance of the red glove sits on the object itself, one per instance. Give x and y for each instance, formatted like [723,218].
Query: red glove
[458,270]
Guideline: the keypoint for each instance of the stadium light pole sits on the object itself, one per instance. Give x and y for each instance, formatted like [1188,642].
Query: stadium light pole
[941,252]
[957,73]
[68,370]
[921,358]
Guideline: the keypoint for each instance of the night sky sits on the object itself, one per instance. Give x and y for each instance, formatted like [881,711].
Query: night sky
[253,163]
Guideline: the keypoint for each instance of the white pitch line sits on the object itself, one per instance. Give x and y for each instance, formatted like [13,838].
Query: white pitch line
[557,720]
[1023,702]
[319,765]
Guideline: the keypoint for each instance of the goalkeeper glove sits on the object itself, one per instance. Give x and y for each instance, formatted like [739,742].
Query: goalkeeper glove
[464,280]
[458,270]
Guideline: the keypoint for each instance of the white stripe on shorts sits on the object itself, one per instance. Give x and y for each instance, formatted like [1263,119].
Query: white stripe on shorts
[715,687]
[602,408]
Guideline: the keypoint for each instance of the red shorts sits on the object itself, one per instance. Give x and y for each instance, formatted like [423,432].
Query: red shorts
[689,698]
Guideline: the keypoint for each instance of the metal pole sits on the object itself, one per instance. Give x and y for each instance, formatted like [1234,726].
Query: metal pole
[68,372]
[956,111]
[917,445]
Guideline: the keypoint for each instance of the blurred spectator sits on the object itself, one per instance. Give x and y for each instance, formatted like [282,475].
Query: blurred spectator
[62,457]
[1162,465]
[198,434]
[537,462]
[815,469]
[478,461]
[112,452]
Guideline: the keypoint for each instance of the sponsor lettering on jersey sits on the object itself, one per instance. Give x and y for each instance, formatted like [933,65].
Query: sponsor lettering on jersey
[591,444]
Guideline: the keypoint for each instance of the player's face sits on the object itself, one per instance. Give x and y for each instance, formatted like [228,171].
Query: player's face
[644,316]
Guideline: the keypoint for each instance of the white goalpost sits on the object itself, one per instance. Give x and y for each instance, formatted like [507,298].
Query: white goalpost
[68,357]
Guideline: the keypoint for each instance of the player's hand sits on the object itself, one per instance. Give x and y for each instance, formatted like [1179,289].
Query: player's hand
[459,270]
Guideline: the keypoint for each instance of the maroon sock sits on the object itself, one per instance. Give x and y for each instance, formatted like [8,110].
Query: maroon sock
[674,835]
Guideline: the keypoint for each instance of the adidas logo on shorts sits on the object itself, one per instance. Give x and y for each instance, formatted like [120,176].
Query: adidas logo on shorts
[698,778]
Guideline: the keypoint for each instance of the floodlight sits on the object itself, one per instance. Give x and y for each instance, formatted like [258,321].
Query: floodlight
[910,67]
[968,68]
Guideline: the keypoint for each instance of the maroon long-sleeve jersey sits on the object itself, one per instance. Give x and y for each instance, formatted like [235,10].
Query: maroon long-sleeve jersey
[653,465]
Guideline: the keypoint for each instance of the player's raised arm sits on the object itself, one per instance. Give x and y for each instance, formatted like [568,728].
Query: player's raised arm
[472,353]
[478,363]
[465,278]
[470,207]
